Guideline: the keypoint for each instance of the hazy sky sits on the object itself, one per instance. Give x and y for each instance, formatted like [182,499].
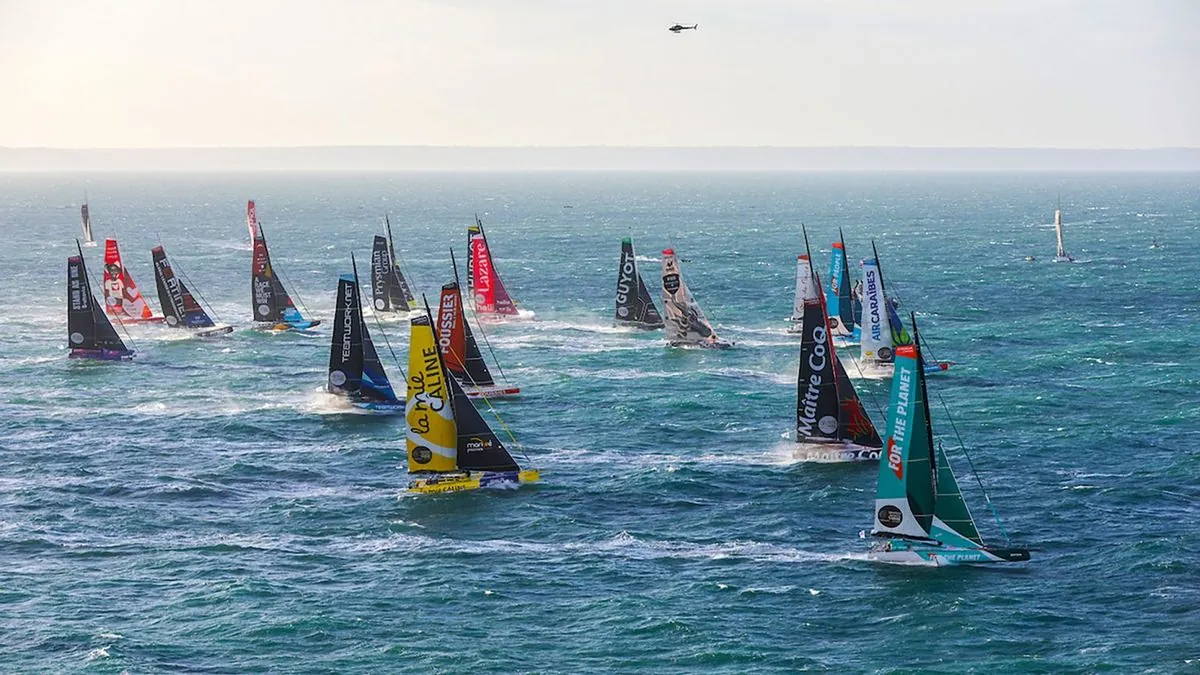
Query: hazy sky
[1010,73]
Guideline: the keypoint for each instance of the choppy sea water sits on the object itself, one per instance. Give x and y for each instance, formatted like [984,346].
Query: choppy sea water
[205,509]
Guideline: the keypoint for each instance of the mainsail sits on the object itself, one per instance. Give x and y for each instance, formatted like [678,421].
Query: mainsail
[270,302]
[457,343]
[483,280]
[88,329]
[85,218]
[827,407]
[635,306]
[1060,255]
[804,281]
[179,305]
[686,323]
[838,297]
[355,369]
[122,300]
[445,431]
[876,328]
[905,494]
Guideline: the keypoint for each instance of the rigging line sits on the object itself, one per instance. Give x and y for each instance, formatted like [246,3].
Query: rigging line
[517,444]
[479,327]
[295,292]
[383,333]
[195,290]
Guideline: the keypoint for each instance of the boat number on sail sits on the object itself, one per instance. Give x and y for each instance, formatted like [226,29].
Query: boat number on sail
[900,423]
[817,361]
[890,516]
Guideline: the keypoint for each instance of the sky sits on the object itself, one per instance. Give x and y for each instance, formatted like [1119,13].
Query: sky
[267,73]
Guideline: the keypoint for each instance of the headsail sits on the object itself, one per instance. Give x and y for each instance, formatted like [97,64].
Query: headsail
[635,306]
[122,299]
[399,280]
[489,293]
[87,327]
[432,436]
[479,449]
[457,343]
[685,322]
[85,218]
[905,500]
[876,328]
[179,305]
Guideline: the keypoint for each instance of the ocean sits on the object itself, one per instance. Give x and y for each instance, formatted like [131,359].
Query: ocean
[206,508]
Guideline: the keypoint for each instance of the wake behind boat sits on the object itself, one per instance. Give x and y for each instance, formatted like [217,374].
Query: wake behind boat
[355,370]
[270,303]
[180,307]
[686,325]
[831,423]
[450,446]
[90,335]
[921,517]
[635,306]
[122,300]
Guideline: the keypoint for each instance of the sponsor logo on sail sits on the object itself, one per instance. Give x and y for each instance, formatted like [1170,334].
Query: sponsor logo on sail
[380,266]
[477,444]
[348,321]
[422,454]
[890,516]
[817,363]
[899,435]
[626,283]
[873,302]
[447,319]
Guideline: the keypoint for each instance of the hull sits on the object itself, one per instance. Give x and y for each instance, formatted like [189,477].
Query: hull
[1063,258]
[496,391]
[843,451]
[495,317]
[213,331]
[903,552]
[379,407]
[873,370]
[634,324]
[844,342]
[280,326]
[89,244]
[715,344]
[102,354]
[464,481]
[126,321]
[796,327]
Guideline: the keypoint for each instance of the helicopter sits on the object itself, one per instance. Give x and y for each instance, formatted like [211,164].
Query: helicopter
[677,28]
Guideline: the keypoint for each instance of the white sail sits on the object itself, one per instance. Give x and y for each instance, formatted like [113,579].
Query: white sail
[1061,255]
[685,321]
[804,286]
[876,342]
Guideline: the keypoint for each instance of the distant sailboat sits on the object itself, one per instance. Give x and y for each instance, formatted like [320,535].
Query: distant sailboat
[272,306]
[390,291]
[686,325]
[1061,255]
[355,370]
[920,515]
[831,423]
[90,335]
[635,306]
[1154,243]
[459,350]
[839,298]
[803,290]
[490,297]
[180,307]
[450,446]
[85,218]
[122,299]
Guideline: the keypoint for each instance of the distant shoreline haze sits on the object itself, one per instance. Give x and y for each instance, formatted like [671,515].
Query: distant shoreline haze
[446,158]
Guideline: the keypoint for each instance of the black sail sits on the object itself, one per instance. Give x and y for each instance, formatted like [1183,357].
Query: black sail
[817,403]
[346,348]
[389,290]
[635,305]
[479,449]
[179,305]
[87,326]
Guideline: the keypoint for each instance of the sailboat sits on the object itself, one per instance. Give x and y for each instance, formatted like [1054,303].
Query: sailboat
[272,306]
[389,289]
[635,306]
[840,300]
[450,446]
[686,325]
[179,305]
[803,290]
[831,423]
[90,335]
[882,330]
[488,294]
[355,370]
[1061,255]
[85,219]
[122,299]
[459,350]
[920,515]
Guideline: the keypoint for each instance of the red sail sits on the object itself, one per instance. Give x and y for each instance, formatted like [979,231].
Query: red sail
[122,299]
[451,339]
[490,294]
